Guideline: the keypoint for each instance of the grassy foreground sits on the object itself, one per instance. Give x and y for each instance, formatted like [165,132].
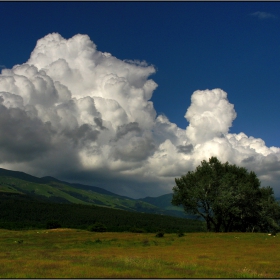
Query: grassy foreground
[68,253]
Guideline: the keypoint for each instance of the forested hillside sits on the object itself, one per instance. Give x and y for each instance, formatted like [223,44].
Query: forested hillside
[164,202]
[30,202]
[54,190]
[19,211]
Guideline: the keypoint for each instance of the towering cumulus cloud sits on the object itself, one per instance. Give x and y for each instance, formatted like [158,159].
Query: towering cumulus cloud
[74,112]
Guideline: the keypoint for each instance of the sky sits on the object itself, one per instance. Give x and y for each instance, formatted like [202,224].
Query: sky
[130,95]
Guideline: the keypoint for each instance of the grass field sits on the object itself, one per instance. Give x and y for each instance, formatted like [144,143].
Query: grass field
[68,253]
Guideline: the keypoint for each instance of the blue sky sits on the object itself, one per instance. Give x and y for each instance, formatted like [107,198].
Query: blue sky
[194,45]
[233,46]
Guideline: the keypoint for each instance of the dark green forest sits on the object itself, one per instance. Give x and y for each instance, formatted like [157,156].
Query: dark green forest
[20,211]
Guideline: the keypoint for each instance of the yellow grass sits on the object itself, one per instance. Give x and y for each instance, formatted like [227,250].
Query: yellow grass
[67,253]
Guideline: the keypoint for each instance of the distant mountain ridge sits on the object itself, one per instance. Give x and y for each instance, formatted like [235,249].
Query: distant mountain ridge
[160,201]
[49,179]
[54,190]
[19,175]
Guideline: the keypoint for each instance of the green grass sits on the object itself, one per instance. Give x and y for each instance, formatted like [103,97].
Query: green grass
[70,194]
[66,253]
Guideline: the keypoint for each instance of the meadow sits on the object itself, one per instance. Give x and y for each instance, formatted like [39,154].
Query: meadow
[75,253]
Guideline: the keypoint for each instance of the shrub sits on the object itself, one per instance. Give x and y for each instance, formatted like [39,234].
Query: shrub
[97,227]
[137,230]
[145,242]
[180,234]
[98,241]
[160,234]
[53,224]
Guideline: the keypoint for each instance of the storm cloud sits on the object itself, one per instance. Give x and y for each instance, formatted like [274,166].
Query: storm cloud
[83,115]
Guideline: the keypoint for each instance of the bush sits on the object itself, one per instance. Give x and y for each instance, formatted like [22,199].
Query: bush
[98,241]
[97,227]
[137,230]
[145,242]
[180,234]
[160,234]
[53,224]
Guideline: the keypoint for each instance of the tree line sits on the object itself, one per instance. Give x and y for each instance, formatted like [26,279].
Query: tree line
[24,212]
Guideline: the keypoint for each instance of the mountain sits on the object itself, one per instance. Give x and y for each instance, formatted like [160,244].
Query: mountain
[164,202]
[51,180]
[19,175]
[20,211]
[53,190]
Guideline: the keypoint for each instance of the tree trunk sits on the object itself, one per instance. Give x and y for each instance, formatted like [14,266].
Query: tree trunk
[208,223]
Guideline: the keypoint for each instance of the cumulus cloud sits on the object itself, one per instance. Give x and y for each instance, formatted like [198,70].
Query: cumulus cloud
[210,115]
[79,114]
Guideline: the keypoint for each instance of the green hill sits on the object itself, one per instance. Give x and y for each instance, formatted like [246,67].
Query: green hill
[164,202]
[21,211]
[53,190]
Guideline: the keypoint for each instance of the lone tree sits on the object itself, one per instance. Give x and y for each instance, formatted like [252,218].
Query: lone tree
[228,197]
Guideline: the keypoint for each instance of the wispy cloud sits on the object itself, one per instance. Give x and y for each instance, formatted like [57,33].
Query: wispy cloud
[263,15]
[2,66]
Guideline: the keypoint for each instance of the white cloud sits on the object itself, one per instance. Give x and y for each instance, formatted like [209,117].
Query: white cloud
[263,15]
[210,115]
[76,113]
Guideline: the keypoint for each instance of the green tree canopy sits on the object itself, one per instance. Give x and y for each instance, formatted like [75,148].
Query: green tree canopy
[228,197]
